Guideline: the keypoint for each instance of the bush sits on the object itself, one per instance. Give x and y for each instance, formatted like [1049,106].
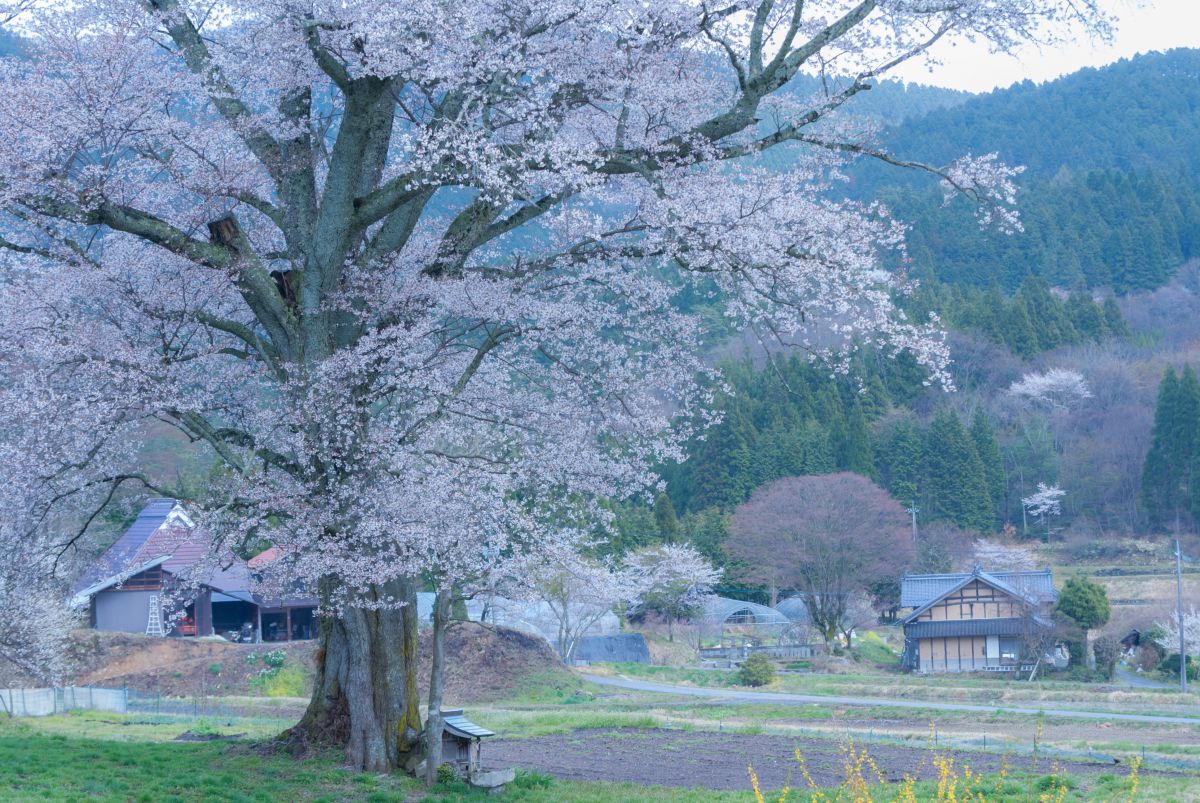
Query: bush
[290,681]
[1083,674]
[756,670]
[214,669]
[1170,667]
[447,773]
[274,658]
[1108,651]
[1147,658]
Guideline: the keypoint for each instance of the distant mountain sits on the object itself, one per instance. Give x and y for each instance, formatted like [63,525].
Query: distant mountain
[1140,113]
[1111,190]
[889,102]
[10,44]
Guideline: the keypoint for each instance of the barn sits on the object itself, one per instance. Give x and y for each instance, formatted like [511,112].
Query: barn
[157,578]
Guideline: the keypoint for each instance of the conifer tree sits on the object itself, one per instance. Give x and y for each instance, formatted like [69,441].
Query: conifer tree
[854,453]
[956,485]
[1167,474]
[901,459]
[665,519]
[1019,333]
[988,450]
[1113,319]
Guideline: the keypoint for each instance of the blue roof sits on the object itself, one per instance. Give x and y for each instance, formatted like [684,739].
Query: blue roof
[460,726]
[117,557]
[917,590]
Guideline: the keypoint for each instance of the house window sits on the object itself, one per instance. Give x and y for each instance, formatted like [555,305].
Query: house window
[1010,649]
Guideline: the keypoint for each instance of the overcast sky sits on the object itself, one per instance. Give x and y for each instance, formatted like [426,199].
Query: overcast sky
[1142,26]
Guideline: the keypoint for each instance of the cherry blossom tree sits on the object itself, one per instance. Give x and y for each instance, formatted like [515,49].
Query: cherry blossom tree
[1169,640]
[378,259]
[678,579]
[578,590]
[1043,504]
[1056,389]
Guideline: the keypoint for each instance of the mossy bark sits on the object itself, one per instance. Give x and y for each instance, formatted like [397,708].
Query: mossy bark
[365,697]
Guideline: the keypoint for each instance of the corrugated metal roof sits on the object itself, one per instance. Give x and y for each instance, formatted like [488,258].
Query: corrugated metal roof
[917,590]
[460,726]
[965,627]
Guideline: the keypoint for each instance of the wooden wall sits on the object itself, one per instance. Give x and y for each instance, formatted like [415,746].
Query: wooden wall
[953,654]
[975,600]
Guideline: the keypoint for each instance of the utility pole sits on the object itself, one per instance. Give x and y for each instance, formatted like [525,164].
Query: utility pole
[912,510]
[1179,617]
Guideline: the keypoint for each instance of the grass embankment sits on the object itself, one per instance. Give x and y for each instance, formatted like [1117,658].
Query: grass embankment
[940,688]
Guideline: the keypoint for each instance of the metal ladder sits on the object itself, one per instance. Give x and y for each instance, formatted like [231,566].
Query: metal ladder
[154,623]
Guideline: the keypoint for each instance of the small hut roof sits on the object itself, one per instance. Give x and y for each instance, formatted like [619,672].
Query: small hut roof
[454,722]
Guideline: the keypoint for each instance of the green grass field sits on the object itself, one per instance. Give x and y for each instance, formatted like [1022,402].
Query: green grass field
[135,757]
[49,767]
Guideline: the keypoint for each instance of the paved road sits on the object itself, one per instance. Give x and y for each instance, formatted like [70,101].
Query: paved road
[1142,682]
[788,698]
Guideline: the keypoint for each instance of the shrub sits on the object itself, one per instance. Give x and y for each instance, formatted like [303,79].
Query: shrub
[1147,658]
[1170,667]
[288,681]
[1083,674]
[1108,651]
[274,659]
[756,670]
[214,669]
[447,773]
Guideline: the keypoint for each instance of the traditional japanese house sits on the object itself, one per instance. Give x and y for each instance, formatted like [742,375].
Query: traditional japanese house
[977,621]
[158,579]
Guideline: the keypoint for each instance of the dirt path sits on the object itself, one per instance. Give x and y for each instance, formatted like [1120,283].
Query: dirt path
[719,760]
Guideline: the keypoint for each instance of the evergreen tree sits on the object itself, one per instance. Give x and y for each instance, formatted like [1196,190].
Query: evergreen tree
[1167,474]
[665,518]
[854,452]
[1019,333]
[1113,320]
[988,450]
[901,461]
[956,485]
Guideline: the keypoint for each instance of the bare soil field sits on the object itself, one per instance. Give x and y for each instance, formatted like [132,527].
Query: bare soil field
[714,760]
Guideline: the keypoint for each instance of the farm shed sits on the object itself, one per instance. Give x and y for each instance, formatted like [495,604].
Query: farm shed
[160,579]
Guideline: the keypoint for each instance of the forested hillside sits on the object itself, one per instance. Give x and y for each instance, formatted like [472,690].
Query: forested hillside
[1060,335]
[1110,199]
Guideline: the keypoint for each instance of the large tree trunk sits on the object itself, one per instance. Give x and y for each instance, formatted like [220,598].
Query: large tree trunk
[365,693]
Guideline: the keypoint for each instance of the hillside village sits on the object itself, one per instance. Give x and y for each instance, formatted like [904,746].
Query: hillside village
[562,402]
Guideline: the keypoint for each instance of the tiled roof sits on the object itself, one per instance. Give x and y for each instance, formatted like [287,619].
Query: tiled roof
[917,590]
[157,533]
[964,627]
[265,558]
[124,551]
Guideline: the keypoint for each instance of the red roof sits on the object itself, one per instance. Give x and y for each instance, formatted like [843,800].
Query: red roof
[264,558]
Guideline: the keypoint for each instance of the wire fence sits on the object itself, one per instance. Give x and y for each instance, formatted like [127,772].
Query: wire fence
[1033,749]
[50,701]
